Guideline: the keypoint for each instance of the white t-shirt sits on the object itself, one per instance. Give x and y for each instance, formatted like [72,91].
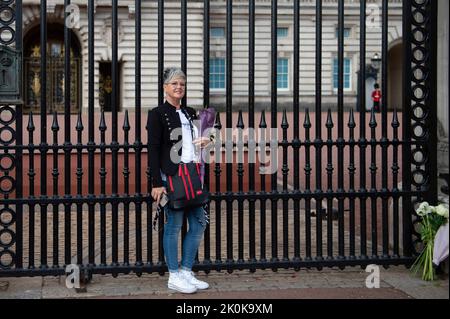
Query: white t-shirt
[188,151]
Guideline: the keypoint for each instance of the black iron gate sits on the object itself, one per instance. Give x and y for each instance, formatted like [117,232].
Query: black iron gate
[103,223]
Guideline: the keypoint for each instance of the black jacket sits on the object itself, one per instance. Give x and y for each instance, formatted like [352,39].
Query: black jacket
[162,140]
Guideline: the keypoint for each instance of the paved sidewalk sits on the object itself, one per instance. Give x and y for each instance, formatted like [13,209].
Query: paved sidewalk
[395,283]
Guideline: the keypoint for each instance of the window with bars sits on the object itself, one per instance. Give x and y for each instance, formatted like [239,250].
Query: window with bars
[347,33]
[282,74]
[217,32]
[282,32]
[217,73]
[347,74]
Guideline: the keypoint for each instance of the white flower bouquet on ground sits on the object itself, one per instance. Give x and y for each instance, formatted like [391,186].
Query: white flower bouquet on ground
[433,217]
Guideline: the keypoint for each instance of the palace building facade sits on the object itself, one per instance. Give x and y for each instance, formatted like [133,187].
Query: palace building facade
[217,66]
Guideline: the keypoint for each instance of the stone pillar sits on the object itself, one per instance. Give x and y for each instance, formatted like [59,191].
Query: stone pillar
[442,98]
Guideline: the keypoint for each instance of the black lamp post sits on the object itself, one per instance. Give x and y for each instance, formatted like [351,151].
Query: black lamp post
[376,64]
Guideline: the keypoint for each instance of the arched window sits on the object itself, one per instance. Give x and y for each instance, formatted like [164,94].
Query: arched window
[55,70]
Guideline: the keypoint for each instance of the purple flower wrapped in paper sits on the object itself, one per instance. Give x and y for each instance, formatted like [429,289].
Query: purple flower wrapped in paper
[207,117]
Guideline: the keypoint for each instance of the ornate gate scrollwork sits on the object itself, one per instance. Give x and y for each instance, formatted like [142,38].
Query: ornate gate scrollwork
[10,73]
[421,101]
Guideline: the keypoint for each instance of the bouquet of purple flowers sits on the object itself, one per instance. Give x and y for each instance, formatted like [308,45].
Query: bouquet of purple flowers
[207,117]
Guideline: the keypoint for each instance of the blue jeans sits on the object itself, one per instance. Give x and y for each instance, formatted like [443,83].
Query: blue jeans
[174,221]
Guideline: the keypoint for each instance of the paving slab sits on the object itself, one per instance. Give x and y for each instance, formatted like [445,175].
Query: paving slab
[395,282]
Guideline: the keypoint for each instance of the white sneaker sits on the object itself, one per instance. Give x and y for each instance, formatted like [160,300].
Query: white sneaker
[189,276]
[179,283]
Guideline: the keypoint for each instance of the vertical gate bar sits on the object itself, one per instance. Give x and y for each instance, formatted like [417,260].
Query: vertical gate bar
[395,168]
[160,101]
[126,176]
[351,170]
[102,173]
[91,143]
[384,127]
[318,117]
[251,125]
[138,143]
[273,125]
[206,50]
[296,133]
[340,140]
[31,175]
[160,51]
[149,209]
[362,128]
[79,173]
[184,46]
[67,139]
[206,182]
[228,141]
[329,125]
[19,152]
[55,174]
[240,173]
[217,171]
[373,190]
[184,68]
[285,171]
[307,127]
[406,133]
[262,149]
[149,233]
[67,144]
[114,143]
[43,145]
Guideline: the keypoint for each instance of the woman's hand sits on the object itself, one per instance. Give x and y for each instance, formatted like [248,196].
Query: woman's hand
[201,142]
[157,193]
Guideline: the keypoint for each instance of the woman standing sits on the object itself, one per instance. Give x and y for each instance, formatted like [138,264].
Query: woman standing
[172,140]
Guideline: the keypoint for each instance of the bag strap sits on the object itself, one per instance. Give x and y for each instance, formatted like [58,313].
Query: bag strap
[155,219]
[189,120]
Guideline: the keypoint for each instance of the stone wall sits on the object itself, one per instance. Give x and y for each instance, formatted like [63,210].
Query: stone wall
[442,99]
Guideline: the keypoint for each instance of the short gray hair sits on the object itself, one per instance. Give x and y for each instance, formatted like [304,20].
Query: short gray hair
[171,73]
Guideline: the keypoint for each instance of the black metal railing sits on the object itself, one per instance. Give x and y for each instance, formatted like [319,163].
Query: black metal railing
[330,215]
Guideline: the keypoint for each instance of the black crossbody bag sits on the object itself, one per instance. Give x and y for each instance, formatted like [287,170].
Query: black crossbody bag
[185,189]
